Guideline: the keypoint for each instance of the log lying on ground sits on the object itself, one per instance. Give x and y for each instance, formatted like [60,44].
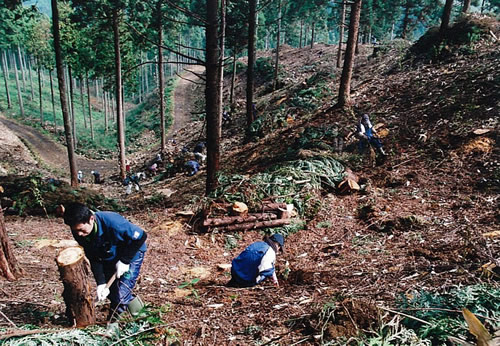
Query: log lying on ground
[228,220]
[254,225]
[78,296]
[274,206]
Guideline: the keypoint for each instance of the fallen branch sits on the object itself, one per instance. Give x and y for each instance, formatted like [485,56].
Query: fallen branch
[20,332]
[238,219]
[406,315]
[254,225]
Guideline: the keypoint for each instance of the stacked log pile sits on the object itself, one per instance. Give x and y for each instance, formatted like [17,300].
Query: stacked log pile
[240,219]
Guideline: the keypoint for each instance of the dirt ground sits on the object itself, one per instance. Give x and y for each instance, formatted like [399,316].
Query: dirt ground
[419,224]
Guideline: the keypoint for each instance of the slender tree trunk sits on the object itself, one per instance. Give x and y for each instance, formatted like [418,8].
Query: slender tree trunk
[118,78]
[341,35]
[277,55]
[220,77]
[20,56]
[83,103]
[252,5]
[6,79]
[105,95]
[53,102]
[19,95]
[72,106]
[301,29]
[406,19]
[482,6]
[345,80]
[312,34]
[161,95]
[9,267]
[212,95]
[40,94]
[62,93]
[466,6]
[233,82]
[90,106]
[445,19]
[31,81]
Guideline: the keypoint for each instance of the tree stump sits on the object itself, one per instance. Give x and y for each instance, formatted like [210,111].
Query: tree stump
[78,296]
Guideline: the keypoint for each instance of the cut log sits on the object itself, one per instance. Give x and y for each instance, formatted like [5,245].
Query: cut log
[75,272]
[254,225]
[239,208]
[274,206]
[228,220]
[348,186]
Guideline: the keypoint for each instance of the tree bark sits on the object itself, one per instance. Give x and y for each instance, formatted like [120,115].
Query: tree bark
[19,95]
[75,271]
[220,77]
[312,34]
[254,225]
[118,79]
[90,107]
[31,81]
[341,35]
[9,268]
[21,66]
[466,6]
[228,220]
[72,106]
[106,98]
[160,77]
[53,101]
[345,80]
[277,56]
[212,96]
[251,61]
[233,82]
[62,93]
[300,36]
[82,102]
[40,95]
[6,79]
[445,19]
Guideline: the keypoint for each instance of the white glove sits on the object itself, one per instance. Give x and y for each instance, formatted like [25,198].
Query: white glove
[121,268]
[102,292]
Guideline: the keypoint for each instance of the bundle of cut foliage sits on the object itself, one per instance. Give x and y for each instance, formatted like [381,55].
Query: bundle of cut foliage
[146,330]
[35,195]
[458,39]
[295,182]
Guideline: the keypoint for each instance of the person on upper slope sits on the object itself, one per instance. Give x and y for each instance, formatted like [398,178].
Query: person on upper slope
[367,135]
[112,245]
[256,262]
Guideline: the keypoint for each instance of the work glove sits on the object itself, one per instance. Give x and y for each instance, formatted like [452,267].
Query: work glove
[121,268]
[102,292]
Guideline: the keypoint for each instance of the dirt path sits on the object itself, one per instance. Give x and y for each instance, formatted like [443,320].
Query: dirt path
[55,154]
[184,101]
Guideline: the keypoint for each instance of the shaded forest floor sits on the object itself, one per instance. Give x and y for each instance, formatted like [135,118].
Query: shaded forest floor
[419,224]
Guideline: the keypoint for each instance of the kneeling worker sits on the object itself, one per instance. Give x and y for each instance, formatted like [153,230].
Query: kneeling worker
[113,245]
[256,262]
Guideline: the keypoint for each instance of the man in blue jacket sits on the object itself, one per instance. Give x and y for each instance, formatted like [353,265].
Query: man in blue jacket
[113,245]
[256,262]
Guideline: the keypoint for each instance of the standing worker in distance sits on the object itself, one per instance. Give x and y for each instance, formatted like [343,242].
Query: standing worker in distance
[113,245]
[256,262]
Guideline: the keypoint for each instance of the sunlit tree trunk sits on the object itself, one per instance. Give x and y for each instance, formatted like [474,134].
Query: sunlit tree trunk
[90,107]
[72,106]
[32,97]
[53,101]
[345,80]
[19,95]
[40,95]
[62,93]
[83,103]
[21,67]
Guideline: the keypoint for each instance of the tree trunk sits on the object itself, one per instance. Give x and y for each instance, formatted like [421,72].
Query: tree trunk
[31,80]
[9,268]
[78,296]
[228,220]
[466,6]
[277,56]
[252,6]
[301,28]
[6,79]
[406,19]
[312,34]
[21,66]
[257,224]
[118,78]
[345,80]
[53,101]
[160,77]
[341,35]
[72,106]
[445,19]
[83,103]
[62,93]
[40,94]
[233,82]
[212,96]
[105,95]
[220,77]
[90,107]
[19,95]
